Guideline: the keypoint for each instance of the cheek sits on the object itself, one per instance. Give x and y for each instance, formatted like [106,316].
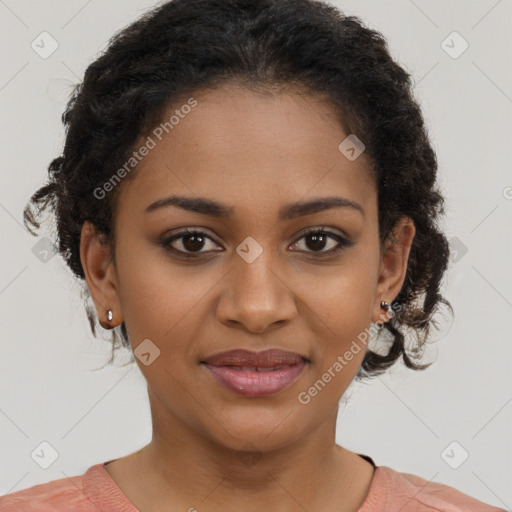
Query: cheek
[343,303]
[154,294]
[165,303]
[343,295]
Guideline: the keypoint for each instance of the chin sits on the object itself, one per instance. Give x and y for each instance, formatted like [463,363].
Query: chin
[257,430]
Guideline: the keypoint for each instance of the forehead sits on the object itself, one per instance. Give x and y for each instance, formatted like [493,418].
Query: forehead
[238,143]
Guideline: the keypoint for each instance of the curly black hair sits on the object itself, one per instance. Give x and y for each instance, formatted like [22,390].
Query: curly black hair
[186,46]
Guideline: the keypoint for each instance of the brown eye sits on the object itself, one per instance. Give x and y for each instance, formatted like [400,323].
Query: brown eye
[317,240]
[187,242]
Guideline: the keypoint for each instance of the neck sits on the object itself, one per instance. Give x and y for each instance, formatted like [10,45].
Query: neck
[182,466]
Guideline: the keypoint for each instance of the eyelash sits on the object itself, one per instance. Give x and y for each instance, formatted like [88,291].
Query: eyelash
[343,243]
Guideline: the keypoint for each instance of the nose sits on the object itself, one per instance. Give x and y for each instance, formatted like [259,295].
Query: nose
[256,295]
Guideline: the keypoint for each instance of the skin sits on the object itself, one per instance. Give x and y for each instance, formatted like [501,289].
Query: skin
[255,153]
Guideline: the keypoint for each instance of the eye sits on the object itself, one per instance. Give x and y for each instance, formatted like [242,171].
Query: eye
[189,240]
[317,240]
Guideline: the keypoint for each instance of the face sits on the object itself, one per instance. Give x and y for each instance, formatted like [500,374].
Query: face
[262,271]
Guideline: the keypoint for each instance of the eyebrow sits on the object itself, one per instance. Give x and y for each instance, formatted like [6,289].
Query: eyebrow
[290,211]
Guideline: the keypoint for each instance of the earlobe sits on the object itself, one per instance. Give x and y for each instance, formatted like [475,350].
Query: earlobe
[393,267]
[95,255]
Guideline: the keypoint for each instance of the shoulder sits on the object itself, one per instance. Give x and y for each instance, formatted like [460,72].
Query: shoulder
[56,495]
[394,491]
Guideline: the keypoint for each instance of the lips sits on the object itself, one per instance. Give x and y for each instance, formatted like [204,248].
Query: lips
[244,358]
[256,373]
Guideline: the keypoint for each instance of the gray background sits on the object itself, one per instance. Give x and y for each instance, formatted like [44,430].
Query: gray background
[405,419]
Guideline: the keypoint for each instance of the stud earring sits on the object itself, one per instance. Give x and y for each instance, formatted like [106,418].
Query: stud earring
[384,305]
[110,315]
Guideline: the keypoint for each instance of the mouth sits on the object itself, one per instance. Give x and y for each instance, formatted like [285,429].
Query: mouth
[256,373]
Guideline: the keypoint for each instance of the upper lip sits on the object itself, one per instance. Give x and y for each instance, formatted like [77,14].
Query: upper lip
[263,359]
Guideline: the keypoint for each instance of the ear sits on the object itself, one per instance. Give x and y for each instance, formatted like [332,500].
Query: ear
[100,275]
[393,266]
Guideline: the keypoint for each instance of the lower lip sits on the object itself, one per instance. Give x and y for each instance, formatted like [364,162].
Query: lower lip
[255,383]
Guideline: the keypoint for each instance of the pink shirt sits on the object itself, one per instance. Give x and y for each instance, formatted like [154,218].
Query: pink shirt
[95,491]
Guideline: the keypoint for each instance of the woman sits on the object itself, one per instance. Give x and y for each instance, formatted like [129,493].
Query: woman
[249,194]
